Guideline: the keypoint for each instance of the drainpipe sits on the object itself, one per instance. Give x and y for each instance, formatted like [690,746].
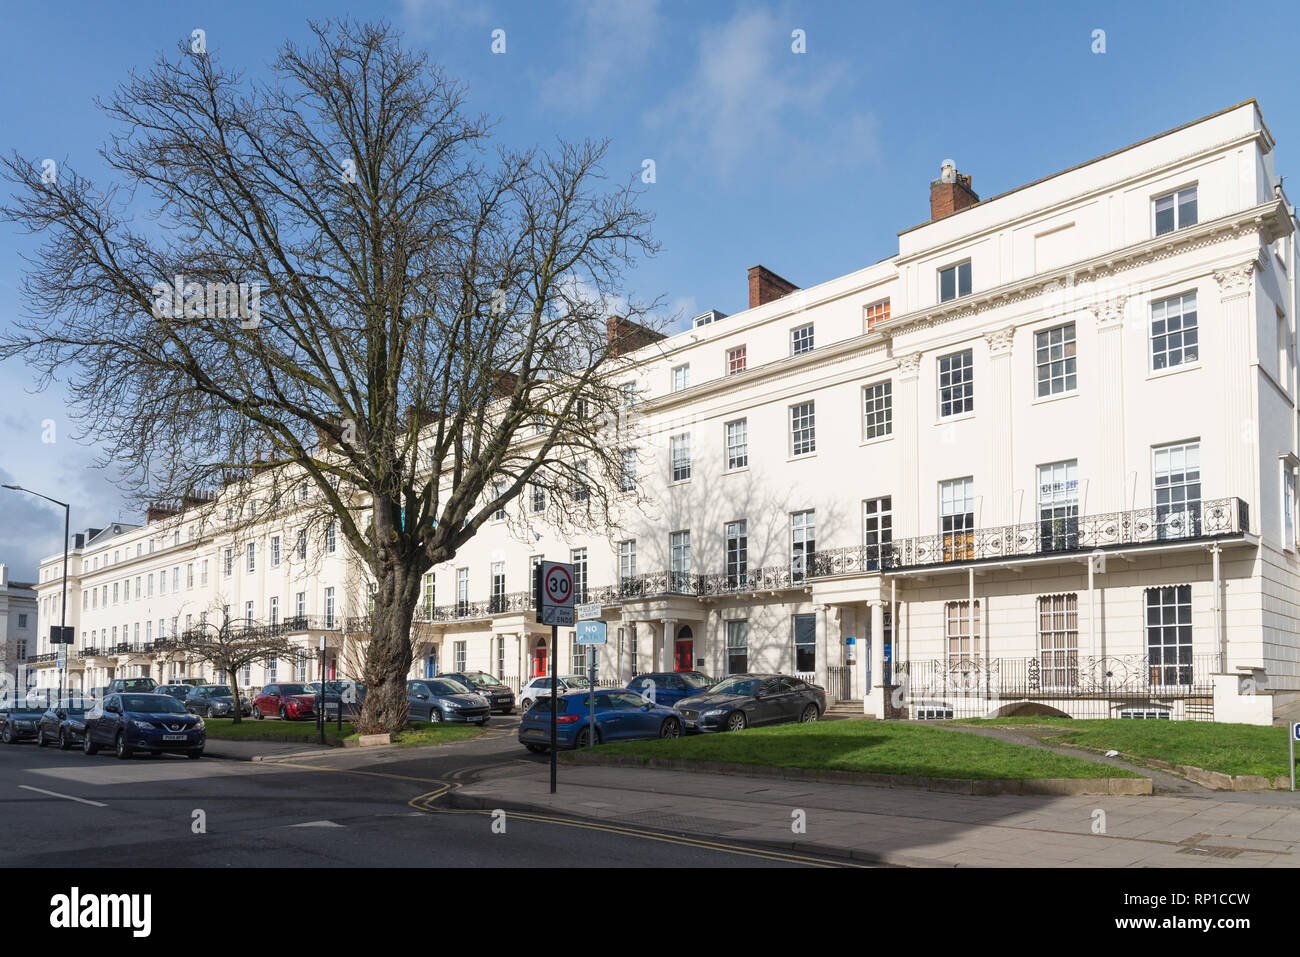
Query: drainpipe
[894,656]
[1092,609]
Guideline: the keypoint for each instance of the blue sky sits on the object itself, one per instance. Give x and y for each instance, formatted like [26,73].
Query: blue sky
[808,163]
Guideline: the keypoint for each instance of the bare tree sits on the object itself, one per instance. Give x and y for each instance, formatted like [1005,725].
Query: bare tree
[412,304]
[232,645]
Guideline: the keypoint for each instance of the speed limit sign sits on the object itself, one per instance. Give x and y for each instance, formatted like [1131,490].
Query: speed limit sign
[554,590]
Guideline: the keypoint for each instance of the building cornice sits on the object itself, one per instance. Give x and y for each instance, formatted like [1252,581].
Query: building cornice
[1268,220]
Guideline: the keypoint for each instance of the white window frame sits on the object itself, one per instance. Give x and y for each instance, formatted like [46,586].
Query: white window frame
[737,452]
[681,377]
[803,429]
[802,339]
[1046,361]
[1163,305]
[1176,197]
[955,269]
[679,457]
[959,387]
[877,410]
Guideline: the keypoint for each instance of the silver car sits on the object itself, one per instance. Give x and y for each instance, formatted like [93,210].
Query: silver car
[441,699]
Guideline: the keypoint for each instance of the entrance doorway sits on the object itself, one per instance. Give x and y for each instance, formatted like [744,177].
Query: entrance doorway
[684,650]
[539,658]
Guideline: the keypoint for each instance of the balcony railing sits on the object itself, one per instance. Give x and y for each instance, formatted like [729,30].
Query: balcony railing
[1145,526]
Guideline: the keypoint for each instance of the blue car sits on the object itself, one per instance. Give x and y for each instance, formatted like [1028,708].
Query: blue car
[157,723]
[670,687]
[620,716]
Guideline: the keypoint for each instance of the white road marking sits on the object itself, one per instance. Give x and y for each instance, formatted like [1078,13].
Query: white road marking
[66,797]
[315,824]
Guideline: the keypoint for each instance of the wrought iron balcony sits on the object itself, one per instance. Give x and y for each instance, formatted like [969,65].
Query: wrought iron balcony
[1216,518]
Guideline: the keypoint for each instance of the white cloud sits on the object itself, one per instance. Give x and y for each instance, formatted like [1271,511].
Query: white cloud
[616,37]
[751,97]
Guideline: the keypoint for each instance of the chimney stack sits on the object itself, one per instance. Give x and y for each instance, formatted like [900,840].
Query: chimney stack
[951,192]
[627,336]
[767,286]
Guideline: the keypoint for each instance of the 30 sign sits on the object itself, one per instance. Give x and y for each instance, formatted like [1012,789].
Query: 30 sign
[554,590]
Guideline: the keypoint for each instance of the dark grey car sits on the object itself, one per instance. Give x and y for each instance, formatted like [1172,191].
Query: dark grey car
[215,701]
[64,723]
[18,719]
[499,697]
[441,699]
[740,701]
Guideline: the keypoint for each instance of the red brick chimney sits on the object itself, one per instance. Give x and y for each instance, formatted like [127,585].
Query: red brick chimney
[157,511]
[951,192]
[766,286]
[627,336]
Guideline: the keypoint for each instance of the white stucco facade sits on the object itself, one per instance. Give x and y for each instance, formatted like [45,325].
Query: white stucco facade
[1093,438]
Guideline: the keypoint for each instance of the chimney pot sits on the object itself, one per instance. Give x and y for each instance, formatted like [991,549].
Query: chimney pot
[951,192]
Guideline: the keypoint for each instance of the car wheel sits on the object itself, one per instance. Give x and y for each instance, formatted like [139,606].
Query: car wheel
[809,714]
[284,715]
[671,728]
[535,748]
[40,738]
[7,736]
[88,746]
[584,738]
[526,703]
[63,740]
[435,715]
[123,752]
[257,712]
[737,721]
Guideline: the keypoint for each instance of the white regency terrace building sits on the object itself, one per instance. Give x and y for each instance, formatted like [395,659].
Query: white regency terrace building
[1042,459]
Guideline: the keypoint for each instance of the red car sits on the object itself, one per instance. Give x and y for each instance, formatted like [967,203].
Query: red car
[289,701]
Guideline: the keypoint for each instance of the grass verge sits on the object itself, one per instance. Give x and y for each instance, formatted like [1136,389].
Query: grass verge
[873,747]
[1226,748]
[250,729]
[421,733]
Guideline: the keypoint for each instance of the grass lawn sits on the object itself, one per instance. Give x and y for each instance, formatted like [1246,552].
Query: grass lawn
[1226,748]
[420,733]
[250,729]
[874,747]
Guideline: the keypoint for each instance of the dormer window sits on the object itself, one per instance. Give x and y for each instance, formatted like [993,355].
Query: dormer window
[954,281]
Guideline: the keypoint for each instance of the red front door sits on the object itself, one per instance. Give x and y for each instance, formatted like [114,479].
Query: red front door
[539,662]
[685,651]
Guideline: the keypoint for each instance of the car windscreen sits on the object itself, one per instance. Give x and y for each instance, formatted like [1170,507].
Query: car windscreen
[139,684]
[216,691]
[446,686]
[695,681]
[23,707]
[576,681]
[152,703]
[294,689]
[77,705]
[737,686]
[480,680]
[544,705]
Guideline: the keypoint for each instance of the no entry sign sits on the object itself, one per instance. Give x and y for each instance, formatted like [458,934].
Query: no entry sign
[555,593]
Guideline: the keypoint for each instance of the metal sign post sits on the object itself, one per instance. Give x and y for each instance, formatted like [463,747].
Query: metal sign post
[553,586]
[591,633]
[1295,736]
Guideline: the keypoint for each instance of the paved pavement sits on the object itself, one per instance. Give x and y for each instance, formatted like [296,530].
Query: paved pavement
[913,827]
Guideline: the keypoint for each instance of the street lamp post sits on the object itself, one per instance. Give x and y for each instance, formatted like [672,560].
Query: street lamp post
[63,613]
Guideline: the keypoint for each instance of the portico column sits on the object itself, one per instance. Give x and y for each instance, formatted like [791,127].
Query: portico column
[669,648]
[875,698]
[821,664]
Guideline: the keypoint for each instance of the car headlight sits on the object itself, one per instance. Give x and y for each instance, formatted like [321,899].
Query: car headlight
[714,712]
[453,704]
[142,725]
[200,725]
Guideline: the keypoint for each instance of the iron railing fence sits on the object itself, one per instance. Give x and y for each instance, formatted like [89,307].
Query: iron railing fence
[1144,526]
[1082,686]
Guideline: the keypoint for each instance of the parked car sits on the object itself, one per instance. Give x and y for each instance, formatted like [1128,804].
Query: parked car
[499,697]
[739,701]
[179,692]
[190,681]
[669,687]
[346,693]
[131,684]
[215,701]
[442,699]
[620,716]
[290,701]
[157,723]
[64,722]
[19,717]
[541,686]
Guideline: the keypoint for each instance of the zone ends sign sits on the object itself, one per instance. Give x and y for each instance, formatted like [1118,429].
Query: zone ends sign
[553,587]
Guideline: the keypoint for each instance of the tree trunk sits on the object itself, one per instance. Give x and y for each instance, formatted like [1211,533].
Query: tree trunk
[388,656]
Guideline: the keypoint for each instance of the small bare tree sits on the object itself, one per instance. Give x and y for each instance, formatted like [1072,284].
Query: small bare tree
[343,286]
[232,645]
